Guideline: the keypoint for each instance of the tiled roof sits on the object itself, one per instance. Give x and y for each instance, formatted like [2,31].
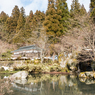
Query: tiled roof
[32,47]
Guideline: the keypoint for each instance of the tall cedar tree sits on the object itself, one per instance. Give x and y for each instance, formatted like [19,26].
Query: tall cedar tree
[82,10]
[3,17]
[52,20]
[12,21]
[92,9]
[30,17]
[38,19]
[27,29]
[9,24]
[75,8]
[21,20]
[15,15]
[62,10]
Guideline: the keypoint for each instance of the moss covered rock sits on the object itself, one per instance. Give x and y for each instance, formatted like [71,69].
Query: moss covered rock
[87,75]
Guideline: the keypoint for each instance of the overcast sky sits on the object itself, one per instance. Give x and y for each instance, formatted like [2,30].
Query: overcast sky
[8,5]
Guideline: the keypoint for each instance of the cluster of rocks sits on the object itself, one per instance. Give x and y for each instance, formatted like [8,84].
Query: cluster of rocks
[88,75]
[69,61]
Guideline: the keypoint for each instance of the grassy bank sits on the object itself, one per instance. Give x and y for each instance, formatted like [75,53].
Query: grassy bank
[8,72]
[33,67]
[41,68]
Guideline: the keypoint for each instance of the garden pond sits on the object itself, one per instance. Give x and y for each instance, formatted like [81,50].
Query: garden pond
[47,84]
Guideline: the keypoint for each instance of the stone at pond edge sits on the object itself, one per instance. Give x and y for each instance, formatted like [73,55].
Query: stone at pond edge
[87,75]
[19,75]
[23,81]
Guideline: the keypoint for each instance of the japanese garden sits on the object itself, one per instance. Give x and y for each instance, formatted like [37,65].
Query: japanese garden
[46,53]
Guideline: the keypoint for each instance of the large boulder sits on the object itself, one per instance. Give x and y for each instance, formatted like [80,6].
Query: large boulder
[82,75]
[19,75]
[23,81]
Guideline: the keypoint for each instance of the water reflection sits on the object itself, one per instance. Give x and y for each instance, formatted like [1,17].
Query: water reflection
[5,86]
[46,84]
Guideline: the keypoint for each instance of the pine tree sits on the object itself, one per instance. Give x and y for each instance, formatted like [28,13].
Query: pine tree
[12,20]
[30,17]
[50,4]
[82,10]
[26,30]
[77,5]
[92,9]
[75,8]
[92,4]
[62,9]
[15,13]
[39,17]
[52,20]
[21,20]
[9,25]
[15,16]
[3,17]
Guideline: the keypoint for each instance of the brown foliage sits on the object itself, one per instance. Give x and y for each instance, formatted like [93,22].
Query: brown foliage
[4,46]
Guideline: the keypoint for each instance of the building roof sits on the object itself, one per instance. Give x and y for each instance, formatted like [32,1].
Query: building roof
[26,48]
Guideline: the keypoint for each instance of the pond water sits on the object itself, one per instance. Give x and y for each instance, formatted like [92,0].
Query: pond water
[48,85]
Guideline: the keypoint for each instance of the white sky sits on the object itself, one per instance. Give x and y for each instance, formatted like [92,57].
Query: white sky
[8,5]
[85,2]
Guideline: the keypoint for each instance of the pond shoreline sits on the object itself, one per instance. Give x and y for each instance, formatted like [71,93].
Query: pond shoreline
[65,73]
[55,73]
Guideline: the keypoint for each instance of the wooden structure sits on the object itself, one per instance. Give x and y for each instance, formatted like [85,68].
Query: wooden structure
[27,52]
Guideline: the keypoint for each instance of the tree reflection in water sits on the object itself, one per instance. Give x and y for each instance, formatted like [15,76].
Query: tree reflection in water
[5,86]
[46,84]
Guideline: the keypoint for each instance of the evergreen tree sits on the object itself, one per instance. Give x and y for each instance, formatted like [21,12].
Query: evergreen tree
[15,16]
[62,10]
[12,21]
[30,18]
[50,4]
[27,30]
[3,17]
[52,20]
[21,20]
[15,13]
[39,17]
[10,25]
[75,8]
[82,10]
[92,9]
[92,4]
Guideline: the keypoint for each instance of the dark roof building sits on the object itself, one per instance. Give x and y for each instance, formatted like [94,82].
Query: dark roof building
[27,52]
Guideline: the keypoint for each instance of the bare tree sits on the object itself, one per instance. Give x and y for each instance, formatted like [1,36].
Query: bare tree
[89,40]
[39,38]
[42,42]
[81,39]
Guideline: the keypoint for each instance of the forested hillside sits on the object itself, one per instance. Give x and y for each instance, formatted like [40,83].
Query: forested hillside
[56,30]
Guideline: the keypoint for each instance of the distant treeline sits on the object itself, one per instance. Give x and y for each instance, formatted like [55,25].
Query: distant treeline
[54,23]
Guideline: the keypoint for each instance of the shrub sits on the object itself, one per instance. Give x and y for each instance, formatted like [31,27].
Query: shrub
[2,69]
